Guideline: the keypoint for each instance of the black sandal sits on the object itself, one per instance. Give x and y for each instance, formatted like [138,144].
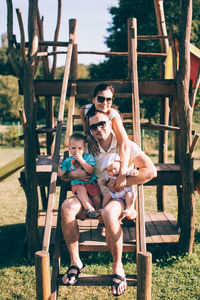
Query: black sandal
[101,229]
[73,274]
[92,214]
[116,284]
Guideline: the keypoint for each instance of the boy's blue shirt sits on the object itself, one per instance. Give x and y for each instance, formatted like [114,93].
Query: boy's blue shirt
[71,164]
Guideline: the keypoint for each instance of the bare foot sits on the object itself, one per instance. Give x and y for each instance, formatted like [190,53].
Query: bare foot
[119,283]
[72,274]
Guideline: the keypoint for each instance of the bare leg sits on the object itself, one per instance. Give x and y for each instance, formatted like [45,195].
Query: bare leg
[106,199]
[83,197]
[130,211]
[114,238]
[69,210]
[97,202]
[130,200]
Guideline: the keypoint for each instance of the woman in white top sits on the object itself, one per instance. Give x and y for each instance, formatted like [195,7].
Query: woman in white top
[102,101]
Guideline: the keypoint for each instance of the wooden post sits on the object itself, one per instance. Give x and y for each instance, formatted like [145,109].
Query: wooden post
[52,188]
[144,276]
[42,271]
[164,106]
[132,47]
[73,77]
[63,189]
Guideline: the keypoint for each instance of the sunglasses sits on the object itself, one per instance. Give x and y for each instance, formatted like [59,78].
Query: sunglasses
[101,99]
[101,124]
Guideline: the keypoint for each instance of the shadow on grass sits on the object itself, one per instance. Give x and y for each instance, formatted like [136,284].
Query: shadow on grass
[12,251]
[197,237]
[12,245]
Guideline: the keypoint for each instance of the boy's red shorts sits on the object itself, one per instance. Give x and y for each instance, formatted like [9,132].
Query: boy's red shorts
[92,188]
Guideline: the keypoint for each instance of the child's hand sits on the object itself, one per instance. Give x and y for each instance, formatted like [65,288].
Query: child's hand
[78,157]
[111,185]
[103,182]
[133,172]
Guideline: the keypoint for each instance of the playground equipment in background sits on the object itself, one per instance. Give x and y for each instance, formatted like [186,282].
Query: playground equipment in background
[11,167]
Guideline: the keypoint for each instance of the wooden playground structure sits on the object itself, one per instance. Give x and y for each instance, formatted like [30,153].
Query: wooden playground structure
[151,228]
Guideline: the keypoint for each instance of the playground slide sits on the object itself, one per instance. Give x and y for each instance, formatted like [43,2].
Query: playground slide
[11,167]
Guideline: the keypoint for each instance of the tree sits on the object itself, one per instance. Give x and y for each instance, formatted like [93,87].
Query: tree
[144,11]
[185,106]
[5,65]
[25,62]
[10,101]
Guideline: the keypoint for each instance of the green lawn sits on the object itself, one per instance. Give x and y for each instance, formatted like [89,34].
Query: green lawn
[174,277]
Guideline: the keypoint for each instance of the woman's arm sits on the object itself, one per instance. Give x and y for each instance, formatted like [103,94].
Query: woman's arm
[83,119]
[124,148]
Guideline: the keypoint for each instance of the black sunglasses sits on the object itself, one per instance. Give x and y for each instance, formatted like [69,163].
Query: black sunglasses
[101,124]
[101,99]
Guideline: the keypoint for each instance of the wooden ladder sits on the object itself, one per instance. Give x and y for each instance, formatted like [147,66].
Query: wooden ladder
[42,257]
[143,258]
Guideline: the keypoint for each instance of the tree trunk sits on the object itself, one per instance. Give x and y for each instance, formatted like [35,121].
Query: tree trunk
[185,122]
[30,162]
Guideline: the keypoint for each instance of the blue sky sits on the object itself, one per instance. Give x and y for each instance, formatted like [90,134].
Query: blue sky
[92,17]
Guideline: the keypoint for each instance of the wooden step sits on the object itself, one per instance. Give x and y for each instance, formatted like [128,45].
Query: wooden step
[98,280]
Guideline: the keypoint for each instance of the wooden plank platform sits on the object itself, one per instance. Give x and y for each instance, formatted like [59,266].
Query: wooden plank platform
[161,228]
[168,174]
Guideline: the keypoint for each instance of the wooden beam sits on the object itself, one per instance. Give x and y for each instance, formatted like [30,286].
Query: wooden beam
[99,280]
[147,88]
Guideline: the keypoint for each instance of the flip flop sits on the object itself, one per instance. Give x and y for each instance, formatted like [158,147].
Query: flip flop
[116,284]
[101,229]
[73,274]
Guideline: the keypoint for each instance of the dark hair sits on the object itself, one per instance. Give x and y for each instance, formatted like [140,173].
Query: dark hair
[94,112]
[77,136]
[100,87]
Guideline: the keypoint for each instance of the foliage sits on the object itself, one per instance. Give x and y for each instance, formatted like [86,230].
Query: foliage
[5,65]
[11,137]
[10,101]
[144,11]
[83,72]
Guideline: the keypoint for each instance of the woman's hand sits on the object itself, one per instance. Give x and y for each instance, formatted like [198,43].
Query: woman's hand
[120,182]
[93,147]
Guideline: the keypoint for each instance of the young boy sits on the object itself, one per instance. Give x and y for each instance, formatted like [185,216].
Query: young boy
[111,164]
[87,192]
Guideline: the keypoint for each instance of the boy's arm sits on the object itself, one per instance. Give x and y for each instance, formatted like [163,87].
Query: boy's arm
[87,167]
[61,172]
[79,174]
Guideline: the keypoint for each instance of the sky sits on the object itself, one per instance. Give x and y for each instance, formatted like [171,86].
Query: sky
[92,17]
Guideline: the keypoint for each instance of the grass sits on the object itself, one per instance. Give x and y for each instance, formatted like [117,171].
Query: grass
[173,277]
